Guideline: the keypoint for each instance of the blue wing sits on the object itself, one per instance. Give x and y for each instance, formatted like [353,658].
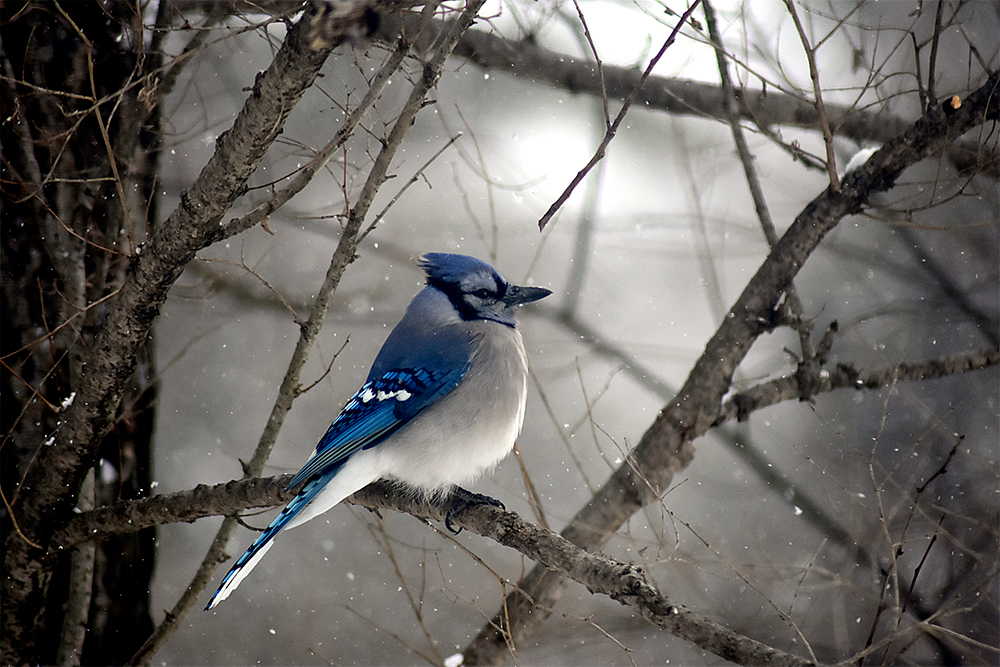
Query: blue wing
[414,368]
[380,408]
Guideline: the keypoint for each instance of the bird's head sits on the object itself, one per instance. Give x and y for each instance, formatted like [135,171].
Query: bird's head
[476,289]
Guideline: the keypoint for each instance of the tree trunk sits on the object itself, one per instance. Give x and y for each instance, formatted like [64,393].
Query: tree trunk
[67,232]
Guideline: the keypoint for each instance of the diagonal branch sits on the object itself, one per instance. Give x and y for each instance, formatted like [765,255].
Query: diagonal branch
[749,170]
[623,582]
[666,447]
[613,128]
[824,118]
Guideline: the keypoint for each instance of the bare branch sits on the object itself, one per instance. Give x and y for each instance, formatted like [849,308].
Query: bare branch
[613,128]
[847,376]
[622,582]
[678,96]
[619,581]
[824,119]
[749,170]
[597,61]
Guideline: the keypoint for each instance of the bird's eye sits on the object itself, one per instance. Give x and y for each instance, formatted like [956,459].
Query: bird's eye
[481,293]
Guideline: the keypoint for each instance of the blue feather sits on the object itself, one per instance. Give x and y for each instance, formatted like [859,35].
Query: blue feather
[380,408]
[264,542]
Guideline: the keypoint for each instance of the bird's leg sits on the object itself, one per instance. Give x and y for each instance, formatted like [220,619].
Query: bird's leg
[462,499]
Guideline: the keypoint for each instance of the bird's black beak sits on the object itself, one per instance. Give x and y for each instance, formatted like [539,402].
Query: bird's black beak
[518,296]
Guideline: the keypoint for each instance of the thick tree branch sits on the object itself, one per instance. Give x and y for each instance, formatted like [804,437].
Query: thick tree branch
[183,506]
[677,96]
[768,108]
[621,582]
[847,376]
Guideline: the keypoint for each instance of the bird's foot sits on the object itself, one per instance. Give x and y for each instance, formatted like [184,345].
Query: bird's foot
[462,499]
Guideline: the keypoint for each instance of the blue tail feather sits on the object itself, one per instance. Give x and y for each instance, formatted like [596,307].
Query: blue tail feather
[245,563]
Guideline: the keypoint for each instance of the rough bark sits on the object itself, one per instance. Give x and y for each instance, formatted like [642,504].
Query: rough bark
[67,161]
[86,340]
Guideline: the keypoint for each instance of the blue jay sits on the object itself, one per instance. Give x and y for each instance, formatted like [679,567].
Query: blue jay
[443,403]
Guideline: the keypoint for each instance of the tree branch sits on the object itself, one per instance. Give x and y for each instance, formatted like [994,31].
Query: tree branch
[620,581]
[765,107]
[623,582]
[666,447]
[847,376]
[683,97]
[821,114]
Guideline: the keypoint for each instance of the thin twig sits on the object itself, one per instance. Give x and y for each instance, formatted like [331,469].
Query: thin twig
[613,129]
[750,172]
[329,367]
[824,120]
[931,101]
[598,63]
[112,161]
[413,179]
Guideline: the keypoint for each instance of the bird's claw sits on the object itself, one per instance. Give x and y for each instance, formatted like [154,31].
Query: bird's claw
[461,500]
